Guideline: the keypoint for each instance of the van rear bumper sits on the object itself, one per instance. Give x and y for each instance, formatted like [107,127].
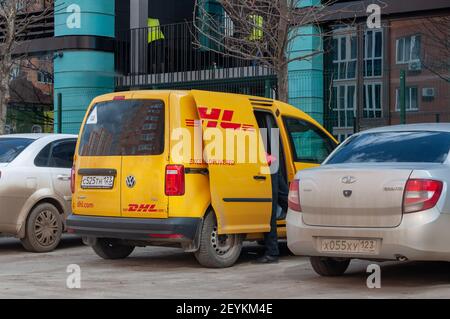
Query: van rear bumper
[172,229]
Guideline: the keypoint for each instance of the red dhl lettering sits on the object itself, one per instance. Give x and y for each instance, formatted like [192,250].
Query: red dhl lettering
[142,208]
[213,117]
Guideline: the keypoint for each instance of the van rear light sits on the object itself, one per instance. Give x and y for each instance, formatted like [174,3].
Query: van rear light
[119,98]
[421,194]
[72,179]
[175,180]
[294,196]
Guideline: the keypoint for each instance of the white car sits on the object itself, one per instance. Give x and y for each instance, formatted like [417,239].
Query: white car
[381,195]
[35,192]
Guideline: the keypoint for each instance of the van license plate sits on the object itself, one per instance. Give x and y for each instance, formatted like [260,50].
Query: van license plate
[100,182]
[352,246]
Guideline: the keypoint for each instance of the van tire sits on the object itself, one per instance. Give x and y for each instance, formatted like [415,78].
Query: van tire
[329,267]
[215,254]
[112,249]
[43,229]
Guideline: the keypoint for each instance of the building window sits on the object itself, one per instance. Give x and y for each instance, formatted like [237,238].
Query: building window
[344,56]
[148,137]
[15,72]
[412,99]
[146,147]
[373,100]
[408,49]
[20,5]
[373,53]
[44,77]
[344,109]
[149,126]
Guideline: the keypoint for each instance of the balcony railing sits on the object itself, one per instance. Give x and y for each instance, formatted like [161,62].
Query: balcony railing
[40,26]
[168,55]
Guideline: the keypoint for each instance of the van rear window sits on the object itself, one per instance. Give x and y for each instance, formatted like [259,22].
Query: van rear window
[126,127]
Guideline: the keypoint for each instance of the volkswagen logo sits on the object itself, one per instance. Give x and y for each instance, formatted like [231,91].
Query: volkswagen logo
[348,180]
[131,181]
[348,193]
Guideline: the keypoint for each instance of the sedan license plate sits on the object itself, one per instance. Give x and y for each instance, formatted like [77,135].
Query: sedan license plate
[98,182]
[351,246]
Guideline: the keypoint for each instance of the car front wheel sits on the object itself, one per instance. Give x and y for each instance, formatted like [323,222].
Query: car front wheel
[329,267]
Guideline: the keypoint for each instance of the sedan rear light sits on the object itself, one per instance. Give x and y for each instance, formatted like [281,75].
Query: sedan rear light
[294,196]
[72,179]
[175,184]
[421,194]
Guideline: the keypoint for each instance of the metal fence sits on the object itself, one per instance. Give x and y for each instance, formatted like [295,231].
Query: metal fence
[168,55]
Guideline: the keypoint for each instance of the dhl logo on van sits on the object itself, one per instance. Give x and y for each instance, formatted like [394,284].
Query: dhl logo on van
[142,208]
[217,117]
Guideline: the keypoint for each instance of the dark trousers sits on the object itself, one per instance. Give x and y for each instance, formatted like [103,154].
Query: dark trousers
[271,238]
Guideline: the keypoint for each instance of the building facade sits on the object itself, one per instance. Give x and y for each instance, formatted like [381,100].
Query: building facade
[30,108]
[105,45]
[364,66]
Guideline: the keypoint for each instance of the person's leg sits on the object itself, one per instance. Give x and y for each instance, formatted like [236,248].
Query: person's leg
[271,238]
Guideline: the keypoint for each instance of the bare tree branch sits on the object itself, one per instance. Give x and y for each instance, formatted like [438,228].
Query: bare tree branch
[16,19]
[263,31]
[437,57]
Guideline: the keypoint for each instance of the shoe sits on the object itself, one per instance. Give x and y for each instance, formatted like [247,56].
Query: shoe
[266,259]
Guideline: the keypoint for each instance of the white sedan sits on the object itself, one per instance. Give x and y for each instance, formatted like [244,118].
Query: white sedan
[381,195]
[35,193]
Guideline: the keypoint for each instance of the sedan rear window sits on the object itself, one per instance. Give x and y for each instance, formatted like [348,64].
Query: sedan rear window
[400,147]
[127,127]
[10,148]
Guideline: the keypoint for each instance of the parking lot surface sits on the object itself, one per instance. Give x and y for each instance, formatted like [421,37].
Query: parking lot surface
[170,273]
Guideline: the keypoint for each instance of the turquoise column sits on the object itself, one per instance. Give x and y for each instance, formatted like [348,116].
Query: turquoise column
[306,77]
[81,75]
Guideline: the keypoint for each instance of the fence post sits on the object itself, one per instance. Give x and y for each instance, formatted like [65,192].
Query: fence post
[267,89]
[438,118]
[402,97]
[59,110]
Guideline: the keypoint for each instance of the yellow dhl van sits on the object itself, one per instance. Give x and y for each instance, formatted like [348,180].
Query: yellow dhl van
[160,168]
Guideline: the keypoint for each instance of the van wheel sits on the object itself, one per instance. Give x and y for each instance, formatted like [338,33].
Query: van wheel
[112,249]
[43,229]
[217,251]
[329,267]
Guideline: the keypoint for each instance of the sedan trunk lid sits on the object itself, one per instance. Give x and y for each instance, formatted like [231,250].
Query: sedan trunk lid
[353,197]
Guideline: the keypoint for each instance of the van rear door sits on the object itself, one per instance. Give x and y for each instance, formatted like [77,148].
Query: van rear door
[144,149]
[240,193]
[121,162]
[99,161]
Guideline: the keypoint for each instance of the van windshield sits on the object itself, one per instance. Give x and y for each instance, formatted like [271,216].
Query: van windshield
[121,128]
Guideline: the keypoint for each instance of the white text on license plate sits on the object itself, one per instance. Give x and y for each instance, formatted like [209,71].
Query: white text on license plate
[353,246]
[104,182]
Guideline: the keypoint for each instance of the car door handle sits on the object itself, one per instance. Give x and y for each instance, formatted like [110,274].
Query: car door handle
[63,177]
[259,178]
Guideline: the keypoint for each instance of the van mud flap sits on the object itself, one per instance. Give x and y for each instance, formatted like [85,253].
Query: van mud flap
[194,245]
